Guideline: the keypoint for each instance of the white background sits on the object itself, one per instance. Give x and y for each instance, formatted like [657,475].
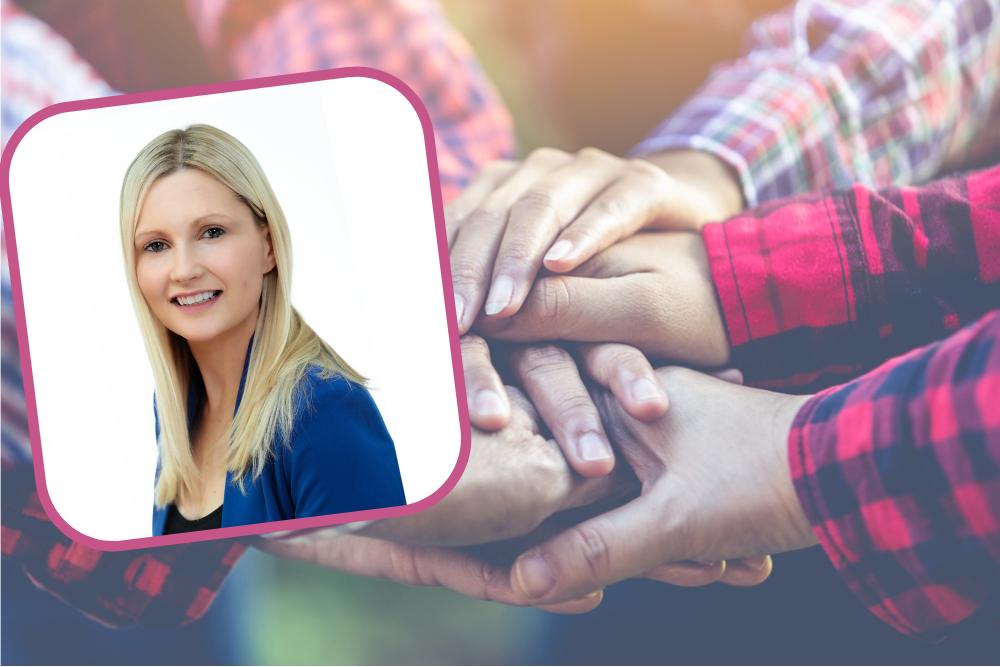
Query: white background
[347,161]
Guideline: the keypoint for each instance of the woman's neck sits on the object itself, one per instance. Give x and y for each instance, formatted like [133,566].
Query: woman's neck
[221,361]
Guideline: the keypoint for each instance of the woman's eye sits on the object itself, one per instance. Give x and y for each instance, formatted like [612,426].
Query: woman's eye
[155,246]
[214,232]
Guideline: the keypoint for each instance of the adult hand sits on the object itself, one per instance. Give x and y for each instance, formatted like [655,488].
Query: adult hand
[716,484]
[514,480]
[652,291]
[415,565]
[561,209]
[550,377]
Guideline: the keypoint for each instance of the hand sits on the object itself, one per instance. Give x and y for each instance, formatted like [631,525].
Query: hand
[552,381]
[514,480]
[653,291]
[716,484]
[561,209]
[415,566]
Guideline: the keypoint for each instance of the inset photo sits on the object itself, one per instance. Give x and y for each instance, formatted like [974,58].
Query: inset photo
[234,309]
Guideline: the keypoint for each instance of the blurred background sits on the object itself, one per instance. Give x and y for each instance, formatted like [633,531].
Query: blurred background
[573,73]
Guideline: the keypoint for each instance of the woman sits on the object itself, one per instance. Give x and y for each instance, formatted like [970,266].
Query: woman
[257,418]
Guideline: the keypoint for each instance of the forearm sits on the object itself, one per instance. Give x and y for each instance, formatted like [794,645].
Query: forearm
[899,474]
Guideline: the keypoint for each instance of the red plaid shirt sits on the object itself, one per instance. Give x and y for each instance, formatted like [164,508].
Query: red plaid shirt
[898,469]
[169,586]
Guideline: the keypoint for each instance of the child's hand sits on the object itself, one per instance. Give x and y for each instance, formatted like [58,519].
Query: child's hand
[558,210]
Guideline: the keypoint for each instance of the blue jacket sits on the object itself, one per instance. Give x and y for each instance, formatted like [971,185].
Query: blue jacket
[340,458]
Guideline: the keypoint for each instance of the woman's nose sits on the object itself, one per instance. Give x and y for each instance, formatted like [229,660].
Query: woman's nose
[186,266]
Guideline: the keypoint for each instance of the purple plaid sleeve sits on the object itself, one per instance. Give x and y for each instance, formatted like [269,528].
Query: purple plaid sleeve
[899,474]
[834,92]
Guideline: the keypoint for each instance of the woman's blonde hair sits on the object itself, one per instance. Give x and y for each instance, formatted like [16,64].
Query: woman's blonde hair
[284,347]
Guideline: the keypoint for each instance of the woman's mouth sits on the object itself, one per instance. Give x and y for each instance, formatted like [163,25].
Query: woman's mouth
[196,301]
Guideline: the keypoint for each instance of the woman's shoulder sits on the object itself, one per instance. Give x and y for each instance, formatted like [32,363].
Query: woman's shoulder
[333,399]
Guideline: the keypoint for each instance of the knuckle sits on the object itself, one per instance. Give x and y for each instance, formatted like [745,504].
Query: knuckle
[485,218]
[550,300]
[467,271]
[475,347]
[594,549]
[536,360]
[545,155]
[538,203]
[516,253]
[647,170]
[591,153]
[610,207]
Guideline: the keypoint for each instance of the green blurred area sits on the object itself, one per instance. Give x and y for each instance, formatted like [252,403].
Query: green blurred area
[305,614]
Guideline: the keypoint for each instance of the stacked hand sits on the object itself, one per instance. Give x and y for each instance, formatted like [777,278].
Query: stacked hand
[694,471]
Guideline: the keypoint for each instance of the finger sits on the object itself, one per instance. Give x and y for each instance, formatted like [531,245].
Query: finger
[552,381]
[489,407]
[687,573]
[477,240]
[416,566]
[586,310]
[617,545]
[537,217]
[629,375]
[624,207]
[747,571]
[578,606]
[485,182]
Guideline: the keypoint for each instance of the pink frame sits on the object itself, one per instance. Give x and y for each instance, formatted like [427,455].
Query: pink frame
[449,299]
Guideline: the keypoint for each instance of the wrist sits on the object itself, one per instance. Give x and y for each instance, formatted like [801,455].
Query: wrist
[801,534]
[707,177]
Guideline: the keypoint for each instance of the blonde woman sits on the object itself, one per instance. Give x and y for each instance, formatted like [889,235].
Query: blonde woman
[257,418]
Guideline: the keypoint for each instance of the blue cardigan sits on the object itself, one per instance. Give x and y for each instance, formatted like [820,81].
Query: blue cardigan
[340,458]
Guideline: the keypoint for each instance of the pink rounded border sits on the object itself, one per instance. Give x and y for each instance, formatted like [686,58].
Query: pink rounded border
[449,299]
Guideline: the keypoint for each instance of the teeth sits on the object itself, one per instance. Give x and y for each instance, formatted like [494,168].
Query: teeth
[195,298]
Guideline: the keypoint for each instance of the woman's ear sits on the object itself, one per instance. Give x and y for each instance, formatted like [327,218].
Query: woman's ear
[269,261]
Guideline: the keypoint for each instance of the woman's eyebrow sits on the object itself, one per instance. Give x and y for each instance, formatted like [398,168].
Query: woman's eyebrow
[194,223]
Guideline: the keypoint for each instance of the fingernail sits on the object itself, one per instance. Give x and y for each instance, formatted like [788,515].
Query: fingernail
[534,575]
[459,309]
[591,447]
[558,251]
[500,295]
[645,389]
[487,403]
[755,563]
[593,595]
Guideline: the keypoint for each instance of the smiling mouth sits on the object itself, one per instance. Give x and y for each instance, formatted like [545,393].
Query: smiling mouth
[196,299]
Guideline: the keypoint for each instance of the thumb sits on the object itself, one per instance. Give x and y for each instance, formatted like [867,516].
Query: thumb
[608,548]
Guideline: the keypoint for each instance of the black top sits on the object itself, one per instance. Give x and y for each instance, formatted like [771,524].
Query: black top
[178,524]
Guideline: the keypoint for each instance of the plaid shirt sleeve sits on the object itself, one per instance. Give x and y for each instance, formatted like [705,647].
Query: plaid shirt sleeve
[819,288]
[899,473]
[160,588]
[834,92]
[410,39]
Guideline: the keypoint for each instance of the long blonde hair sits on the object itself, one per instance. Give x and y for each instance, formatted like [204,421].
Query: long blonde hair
[284,346]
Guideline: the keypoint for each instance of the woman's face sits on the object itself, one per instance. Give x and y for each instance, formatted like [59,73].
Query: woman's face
[200,256]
